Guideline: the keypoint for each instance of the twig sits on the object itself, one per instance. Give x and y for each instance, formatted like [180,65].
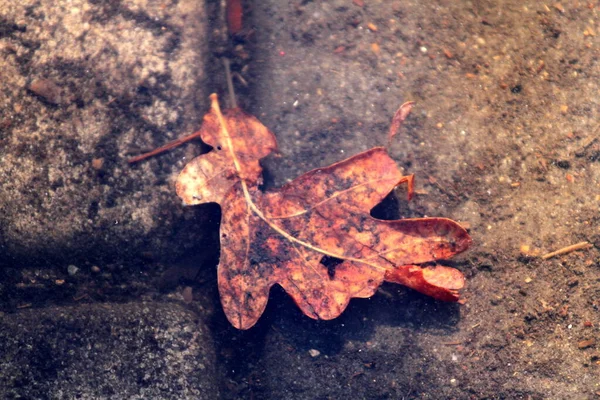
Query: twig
[232,101]
[164,148]
[195,135]
[568,249]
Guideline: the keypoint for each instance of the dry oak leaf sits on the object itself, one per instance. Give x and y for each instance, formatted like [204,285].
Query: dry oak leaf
[288,236]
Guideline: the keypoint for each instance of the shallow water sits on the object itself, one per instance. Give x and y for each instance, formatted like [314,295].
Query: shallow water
[108,284]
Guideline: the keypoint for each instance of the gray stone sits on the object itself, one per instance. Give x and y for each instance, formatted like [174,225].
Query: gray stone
[84,86]
[102,351]
[72,269]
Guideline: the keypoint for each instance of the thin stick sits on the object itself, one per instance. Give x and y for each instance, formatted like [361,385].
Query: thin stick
[232,101]
[568,249]
[164,148]
[178,142]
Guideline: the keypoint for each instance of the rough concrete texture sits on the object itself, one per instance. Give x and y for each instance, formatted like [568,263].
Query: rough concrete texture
[106,351]
[84,85]
[504,138]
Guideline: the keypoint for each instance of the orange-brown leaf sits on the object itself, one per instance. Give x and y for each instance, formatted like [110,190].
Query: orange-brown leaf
[399,118]
[293,236]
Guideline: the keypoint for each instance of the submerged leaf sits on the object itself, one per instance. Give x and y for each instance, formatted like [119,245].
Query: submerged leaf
[399,118]
[286,236]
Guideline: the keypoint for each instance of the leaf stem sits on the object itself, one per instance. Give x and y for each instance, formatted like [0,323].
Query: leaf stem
[232,100]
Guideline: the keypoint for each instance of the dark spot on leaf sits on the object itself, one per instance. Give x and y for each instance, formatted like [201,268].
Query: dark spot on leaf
[331,263]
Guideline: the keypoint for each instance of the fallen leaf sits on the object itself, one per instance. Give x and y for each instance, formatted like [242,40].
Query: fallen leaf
[399,117]
[314,236]
[235,12]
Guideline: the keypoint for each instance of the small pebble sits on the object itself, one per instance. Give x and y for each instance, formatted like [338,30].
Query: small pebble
[95,269]
[97,163]
[314,353]
[72,269]
[375,48]
[46,89]
[584,344]
[188,295]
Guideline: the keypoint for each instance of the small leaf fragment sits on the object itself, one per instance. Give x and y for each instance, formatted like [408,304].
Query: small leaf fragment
[399,118]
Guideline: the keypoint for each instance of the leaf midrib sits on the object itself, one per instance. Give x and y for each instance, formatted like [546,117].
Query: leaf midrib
[254,208]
